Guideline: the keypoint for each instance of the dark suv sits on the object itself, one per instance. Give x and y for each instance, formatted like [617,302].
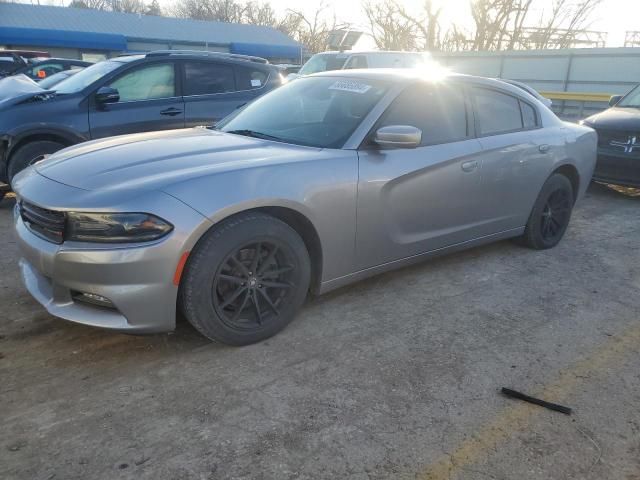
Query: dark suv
[137,93]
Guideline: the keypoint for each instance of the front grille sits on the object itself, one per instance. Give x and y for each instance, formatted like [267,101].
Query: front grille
[626,142]
[47,224]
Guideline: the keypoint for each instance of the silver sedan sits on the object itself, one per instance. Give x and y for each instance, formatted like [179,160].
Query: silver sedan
[325,181]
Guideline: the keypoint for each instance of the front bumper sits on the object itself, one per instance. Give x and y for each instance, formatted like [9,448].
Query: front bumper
[137,280]
[620,169]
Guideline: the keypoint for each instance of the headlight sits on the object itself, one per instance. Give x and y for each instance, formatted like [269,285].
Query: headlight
[115,227]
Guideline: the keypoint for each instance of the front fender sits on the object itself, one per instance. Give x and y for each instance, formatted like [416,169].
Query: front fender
[323,190]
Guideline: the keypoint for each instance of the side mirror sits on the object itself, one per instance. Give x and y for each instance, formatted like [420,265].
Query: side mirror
[106,95]
[613,101]
[398,136]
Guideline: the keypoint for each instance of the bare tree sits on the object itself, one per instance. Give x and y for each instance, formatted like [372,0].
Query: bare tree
[217,10]
[313,30]
[426,24]
[127,6]
[390,28]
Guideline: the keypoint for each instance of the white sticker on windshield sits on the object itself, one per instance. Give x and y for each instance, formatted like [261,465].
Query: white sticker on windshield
[348,86]
[255,83]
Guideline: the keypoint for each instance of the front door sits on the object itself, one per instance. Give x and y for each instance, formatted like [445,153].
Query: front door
[417,200]
[148,101]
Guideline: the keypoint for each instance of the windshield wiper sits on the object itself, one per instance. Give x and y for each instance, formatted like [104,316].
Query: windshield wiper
[254,134]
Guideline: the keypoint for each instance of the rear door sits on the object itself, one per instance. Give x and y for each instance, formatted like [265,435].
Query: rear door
[149,100]
[515,160]
[412,201]
[212,90]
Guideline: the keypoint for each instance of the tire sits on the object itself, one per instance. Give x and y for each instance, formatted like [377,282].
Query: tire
[551,213]
[30,153]
[224,278]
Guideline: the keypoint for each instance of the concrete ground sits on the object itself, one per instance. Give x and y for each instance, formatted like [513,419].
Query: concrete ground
[395,377]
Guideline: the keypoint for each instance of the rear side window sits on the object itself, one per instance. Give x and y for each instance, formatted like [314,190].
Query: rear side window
[440,112]
[496,112]
[529,117]
[249,79]
[204,78]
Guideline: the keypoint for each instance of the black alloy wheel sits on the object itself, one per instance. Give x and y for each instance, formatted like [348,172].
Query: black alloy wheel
[550,215]
[245,279]
[252,284]
[555,215]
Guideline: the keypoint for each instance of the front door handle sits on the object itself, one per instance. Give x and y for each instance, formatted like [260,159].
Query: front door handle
[544,148]
[172,112]
[469,166]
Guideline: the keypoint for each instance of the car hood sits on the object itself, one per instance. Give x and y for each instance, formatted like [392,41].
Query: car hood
[157,159]
[616,118]
[19,88]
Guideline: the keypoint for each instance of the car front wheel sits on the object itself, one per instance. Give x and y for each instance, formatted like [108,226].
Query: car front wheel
[551,213]
[245,280]
[29,154]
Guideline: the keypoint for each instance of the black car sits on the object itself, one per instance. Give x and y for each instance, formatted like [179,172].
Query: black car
[618,140]
[137,93]
[45,67]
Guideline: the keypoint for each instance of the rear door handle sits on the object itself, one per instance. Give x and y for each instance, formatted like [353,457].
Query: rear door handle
[544,148]
[172,112]
[469,166]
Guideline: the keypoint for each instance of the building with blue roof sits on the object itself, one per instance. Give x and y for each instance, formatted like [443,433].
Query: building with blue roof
[94,34]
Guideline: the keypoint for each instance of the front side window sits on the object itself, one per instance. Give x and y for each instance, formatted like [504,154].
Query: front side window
[496,112]
[313,111]
[250,79]
[205,78]
[147,83]
[439,111]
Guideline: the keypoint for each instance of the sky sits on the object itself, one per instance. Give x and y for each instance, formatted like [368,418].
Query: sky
[613,16]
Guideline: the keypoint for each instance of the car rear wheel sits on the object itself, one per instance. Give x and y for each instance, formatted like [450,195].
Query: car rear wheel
[29,154]
[245,280]
[551,213]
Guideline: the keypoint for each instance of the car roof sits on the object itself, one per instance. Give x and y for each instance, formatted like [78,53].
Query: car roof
[411,75]
[197,55]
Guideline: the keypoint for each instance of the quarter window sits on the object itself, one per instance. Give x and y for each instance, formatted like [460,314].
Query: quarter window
[496,112]
[204,78]
[529,117]
[439,112]
[248,79]
[147,83]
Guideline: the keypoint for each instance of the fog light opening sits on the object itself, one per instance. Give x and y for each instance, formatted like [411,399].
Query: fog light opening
[93,299]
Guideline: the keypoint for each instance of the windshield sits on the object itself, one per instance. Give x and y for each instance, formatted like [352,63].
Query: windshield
[86,77]
[312,111]
[323,62]
[631,99]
